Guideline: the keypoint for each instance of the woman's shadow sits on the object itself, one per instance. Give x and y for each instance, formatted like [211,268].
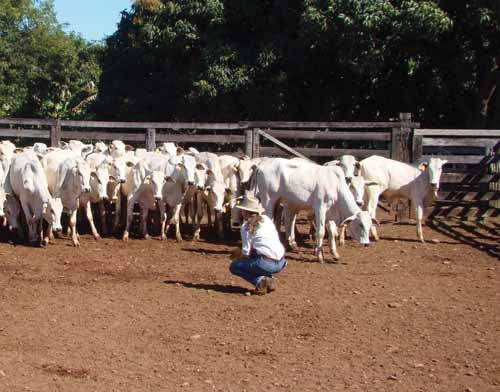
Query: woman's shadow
[207,286]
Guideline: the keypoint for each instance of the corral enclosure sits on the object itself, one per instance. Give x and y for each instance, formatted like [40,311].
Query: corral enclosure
[165,316]
[469,186]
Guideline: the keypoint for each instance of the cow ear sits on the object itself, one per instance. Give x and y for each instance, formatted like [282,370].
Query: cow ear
[129,163]
[147,179]
[93,174]
[235,168]
[128,147]
[112,178]
[357,165]
[210,172]
[444,162]
[180,151]
[200,166]
[18,150]
[336,162]
[169,179]
[370,183]
[423,165]
[88,149]
[375,222]
[63,145]
[348,220]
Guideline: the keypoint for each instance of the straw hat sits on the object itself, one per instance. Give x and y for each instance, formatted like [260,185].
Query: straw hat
[249,203]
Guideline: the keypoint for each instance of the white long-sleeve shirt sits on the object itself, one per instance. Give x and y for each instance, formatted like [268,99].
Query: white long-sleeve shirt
[265,241]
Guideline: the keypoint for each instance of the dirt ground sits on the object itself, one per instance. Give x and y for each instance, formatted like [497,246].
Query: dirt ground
[165,316]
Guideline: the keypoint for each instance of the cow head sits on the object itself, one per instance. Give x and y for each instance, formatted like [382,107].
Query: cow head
[154,181]
[99,179]
[434,168]
[359,226]
[245,169]
[215,192]
[357,187]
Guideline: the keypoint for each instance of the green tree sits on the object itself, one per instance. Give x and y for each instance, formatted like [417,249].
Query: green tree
[302,60]
[44,72]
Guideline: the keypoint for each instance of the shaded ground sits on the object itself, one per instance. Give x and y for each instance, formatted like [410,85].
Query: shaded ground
[167,316]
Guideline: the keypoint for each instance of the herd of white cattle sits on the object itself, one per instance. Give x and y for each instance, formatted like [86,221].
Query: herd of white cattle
[343,194]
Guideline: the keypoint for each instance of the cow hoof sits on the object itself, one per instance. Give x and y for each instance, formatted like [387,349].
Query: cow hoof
[125,236]
[179,238]
[97,237]
[147,237]
[76,244]
[45,241]
[163,237]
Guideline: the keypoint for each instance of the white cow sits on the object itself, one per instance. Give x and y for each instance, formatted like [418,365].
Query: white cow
[68,177]
[398,180]
[301,185]
[78,147]
[214,191]
[118,149]
[6,151]
[348,163]
[168,148]
[28,183]
[100,147]
[40,148]
[146,190]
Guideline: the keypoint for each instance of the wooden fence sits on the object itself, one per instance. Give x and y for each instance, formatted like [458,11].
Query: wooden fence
[466,189]
[465,181]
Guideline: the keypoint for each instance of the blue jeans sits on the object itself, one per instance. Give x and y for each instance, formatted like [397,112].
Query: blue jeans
[256,267]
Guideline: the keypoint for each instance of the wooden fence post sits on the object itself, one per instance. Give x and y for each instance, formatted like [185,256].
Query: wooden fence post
[249,142]
[401,139]
[256,143]
[150,139]
[55,133]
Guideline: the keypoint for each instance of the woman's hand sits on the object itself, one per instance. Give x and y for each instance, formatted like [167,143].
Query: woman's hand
[235,254]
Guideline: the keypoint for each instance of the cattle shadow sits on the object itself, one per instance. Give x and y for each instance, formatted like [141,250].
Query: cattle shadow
[227,289]
[469,233]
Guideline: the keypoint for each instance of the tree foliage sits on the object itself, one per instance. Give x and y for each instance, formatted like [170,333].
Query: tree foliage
[44,72]
[303,60]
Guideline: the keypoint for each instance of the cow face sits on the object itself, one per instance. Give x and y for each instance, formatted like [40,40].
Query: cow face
[349,164]
[154,181]
[83,171]
[200,176]
[188,163]
[434,168]
[117,148]
[215,193]
[117,170]
[359,226]
[99,180]
[245,169]
[357,187]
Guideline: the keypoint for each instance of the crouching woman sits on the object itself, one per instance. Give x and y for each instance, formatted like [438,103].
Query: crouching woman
[262,253]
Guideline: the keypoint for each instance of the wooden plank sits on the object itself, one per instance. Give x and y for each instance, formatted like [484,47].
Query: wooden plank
[150,139]
[182,138]
[325,152]
[459,177]
[465,159]
[256,143]
[28,133]
[460,142]
[85,135]
[26,121]
[329,135]
[249,143]
[282,145]
[146,125]
[55,134]
[458,132]
[340,125]
[417,148]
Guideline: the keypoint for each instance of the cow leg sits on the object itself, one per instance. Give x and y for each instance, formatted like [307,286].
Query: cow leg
[163,220]
[90,218]
[116,220]
[342,235]
[320,233]
[199,217]
[373,194]
[29,222]
[130,216]
[290,218]
[102,214]
[419,213]
[144,222]
[332,233]
[176,220]
[72,227]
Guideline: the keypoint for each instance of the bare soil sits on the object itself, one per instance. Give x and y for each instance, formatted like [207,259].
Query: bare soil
[166,316]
